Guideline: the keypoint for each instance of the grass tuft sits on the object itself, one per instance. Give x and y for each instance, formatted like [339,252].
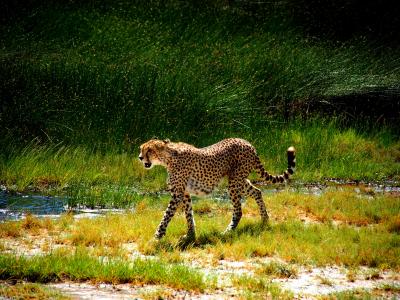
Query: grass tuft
[278,269]
[82,267]
[10,229]
[255,287]
[394,225]
[30,291]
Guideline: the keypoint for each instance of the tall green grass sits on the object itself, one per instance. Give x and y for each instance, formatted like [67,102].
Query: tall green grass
[117,178]
[107,74]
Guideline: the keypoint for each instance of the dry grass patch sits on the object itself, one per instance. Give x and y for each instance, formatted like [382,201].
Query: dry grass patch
[393,225]
[36,226]
[30,291]
[10,229]
[386,291]
[285,236]
[111,230]
[288,238]
[346,206]
[157,293]
[278,269]
[30,225]
[352,274]
[325,281]
[257,287]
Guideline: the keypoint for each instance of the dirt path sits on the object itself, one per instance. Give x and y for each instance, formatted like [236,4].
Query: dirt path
[310,283]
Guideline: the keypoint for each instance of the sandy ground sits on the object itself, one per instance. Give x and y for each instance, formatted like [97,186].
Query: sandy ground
[309,283]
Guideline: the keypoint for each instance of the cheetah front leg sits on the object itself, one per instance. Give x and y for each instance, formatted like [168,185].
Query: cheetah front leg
[177,198]
[187,202]
[190,237]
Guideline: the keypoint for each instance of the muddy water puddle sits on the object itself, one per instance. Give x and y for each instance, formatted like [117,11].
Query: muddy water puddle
[361,187]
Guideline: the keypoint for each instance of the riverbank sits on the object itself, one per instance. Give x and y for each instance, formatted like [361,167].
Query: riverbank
[115,177]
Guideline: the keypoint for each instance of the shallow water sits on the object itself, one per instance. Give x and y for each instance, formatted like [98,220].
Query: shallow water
[14,206]
[318,188]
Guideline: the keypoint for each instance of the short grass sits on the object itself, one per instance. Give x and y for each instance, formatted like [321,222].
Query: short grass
[79,266]
[361,232]
[278,270]
[257,287]
[21,291]
[382,292]
[344,206]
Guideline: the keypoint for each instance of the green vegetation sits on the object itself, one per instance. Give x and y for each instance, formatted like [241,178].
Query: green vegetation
[377,293]
[82,267]
[105,74]
[257,287]
[279,270]
[115,178]
[115,72]
[84,83]
[345,206]
[333,239]
[104,249]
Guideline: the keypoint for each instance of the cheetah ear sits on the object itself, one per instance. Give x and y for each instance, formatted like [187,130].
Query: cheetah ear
[171,151]
[166,141]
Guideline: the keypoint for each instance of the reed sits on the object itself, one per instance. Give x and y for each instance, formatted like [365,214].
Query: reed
[107,74]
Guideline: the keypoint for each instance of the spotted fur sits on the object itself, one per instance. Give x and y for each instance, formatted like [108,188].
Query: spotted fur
[199,170]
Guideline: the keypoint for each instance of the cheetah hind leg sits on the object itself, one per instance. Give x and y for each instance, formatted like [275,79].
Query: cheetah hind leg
[235,195]
[250,190]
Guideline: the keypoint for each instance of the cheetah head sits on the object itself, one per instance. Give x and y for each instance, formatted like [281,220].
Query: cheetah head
[154,152]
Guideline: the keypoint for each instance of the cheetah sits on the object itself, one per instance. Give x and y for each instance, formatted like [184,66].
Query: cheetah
[198,171]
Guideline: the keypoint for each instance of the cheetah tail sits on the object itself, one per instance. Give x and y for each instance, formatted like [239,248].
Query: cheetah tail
[291,156]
